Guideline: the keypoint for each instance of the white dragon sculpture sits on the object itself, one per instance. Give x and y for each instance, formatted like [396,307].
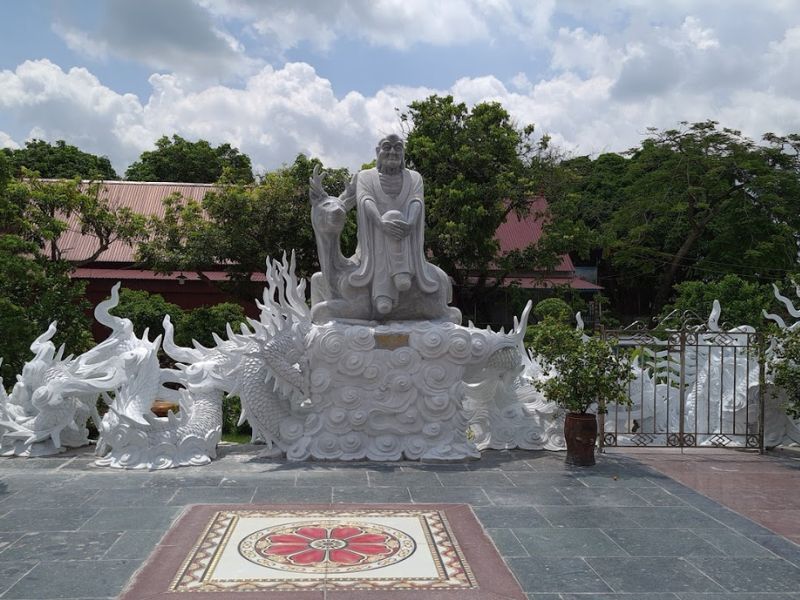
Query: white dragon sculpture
[51,401]
[779,428]
[324,391]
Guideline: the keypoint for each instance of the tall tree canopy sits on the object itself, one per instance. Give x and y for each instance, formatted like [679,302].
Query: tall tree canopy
[238,226]
[58,161]
[180,160]
[33,289]
[697,202]
[477,167]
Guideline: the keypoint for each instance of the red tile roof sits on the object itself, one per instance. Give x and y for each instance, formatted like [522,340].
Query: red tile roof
[142,197]
[518,234]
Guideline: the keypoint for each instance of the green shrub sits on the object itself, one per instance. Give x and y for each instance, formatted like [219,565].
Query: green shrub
[741,301]
[555,308]
[146,311]
[587,371]
[199,323]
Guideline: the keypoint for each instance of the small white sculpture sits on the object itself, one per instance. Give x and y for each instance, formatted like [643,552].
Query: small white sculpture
[131,436]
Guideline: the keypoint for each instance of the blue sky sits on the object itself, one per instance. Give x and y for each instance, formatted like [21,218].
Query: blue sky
[278,77]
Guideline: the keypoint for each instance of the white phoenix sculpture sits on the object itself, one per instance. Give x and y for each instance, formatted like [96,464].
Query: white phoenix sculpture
[378,368]
[721,382]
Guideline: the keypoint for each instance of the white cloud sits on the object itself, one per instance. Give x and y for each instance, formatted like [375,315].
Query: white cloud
[71,105]
[279,112]
[80,41]
[177,36]
[395,24]
[783,59]
[7,142]
[701,38]
[576,49]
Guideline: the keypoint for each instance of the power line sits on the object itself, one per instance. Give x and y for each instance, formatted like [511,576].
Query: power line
[691,261]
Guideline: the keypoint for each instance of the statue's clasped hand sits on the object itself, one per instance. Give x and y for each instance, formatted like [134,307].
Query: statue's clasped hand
[396,228]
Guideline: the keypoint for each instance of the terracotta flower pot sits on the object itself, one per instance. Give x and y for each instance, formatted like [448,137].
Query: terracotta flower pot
[580,433]
[160,408]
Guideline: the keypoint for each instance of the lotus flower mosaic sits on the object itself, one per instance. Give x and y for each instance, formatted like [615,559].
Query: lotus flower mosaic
[330,547]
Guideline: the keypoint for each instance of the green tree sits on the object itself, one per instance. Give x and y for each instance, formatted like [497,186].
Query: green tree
[705,199]
[476,165]
[238,226]
[696,202]
[59,161]
[36,287]
[33,289]
[39,211]
[741,301]
[34,292]
[180,160]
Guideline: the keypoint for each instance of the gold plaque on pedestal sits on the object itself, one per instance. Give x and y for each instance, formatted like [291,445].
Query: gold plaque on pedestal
[390,341]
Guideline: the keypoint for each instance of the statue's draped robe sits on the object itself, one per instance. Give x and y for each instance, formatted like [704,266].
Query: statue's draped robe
[380,255]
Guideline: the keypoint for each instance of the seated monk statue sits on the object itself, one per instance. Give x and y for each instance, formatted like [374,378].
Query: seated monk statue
[388,278]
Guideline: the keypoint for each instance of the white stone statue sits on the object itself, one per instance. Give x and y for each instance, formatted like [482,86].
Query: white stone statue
[780,428]
[389,277]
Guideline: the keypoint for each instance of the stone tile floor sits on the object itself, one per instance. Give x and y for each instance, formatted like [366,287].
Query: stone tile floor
[619,531]
[765,491]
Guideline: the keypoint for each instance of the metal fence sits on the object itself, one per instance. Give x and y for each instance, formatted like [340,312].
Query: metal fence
[692,387]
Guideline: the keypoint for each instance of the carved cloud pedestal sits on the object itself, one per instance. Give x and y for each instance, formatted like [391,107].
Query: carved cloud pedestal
[386,392]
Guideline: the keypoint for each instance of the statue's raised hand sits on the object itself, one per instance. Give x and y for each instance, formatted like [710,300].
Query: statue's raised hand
[348,196]
[316,192]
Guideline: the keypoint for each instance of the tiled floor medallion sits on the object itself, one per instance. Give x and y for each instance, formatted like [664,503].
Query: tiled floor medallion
[280,550]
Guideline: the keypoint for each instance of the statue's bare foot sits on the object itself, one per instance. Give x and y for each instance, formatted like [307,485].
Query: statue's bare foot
[402,281]
[383,304]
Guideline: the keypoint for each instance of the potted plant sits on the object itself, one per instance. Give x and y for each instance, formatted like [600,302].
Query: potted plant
[588,375]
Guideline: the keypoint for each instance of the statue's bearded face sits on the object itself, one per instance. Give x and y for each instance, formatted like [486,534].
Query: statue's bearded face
[390,153]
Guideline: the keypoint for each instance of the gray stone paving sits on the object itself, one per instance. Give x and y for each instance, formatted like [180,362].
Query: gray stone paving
[618,531]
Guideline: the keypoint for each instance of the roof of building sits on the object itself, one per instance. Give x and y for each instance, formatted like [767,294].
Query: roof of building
[143,197]
[544,281]
[146,198]
[146,275]
[517,233]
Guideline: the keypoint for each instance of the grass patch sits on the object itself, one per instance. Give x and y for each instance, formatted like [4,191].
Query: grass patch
[236,438]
